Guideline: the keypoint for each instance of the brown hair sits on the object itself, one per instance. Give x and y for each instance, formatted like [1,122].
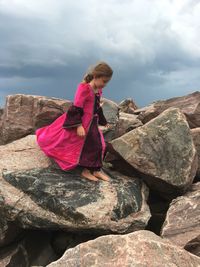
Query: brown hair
[101,69]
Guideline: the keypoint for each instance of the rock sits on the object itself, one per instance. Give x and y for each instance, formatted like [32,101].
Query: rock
[189,105]
[23,114]
[110,110]
[37,195]
[193,246]
[128,106]
[126,123]
[162,151]
[141,248]
[78,205]
[23,154]
[182,221]
[196,139]
[1,115]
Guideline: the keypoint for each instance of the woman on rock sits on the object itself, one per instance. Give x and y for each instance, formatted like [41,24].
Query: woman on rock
[74,138]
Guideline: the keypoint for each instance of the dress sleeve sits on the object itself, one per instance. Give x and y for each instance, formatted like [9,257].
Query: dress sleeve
[73,118]
[75,112]
[102,119]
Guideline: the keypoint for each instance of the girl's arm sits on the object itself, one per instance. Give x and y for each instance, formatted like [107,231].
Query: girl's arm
[75,112]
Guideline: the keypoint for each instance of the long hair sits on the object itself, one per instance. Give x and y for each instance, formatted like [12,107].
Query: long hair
[101,69]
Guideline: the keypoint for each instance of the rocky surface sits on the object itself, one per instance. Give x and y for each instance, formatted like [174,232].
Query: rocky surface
[182,222]
[110,110]
[126,123]
[189,105]
[35,194]
[23,114]
[141,248]
[45,211]
[128,106]
[196,139]
[162,151]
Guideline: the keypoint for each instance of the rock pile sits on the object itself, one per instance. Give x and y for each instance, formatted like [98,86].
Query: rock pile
[148,214]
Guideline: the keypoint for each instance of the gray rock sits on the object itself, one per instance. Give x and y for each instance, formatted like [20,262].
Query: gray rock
[162,151]
[196,139]
[189,105]
[141,248]
[128,106]
[117,206]
[110,110]
[182,222]
[36,194]
[23,114]
[126,123]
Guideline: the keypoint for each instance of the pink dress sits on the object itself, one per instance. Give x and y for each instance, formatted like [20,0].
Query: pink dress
[60,141]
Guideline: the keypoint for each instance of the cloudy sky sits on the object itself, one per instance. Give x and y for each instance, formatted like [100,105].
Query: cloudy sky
[46,46]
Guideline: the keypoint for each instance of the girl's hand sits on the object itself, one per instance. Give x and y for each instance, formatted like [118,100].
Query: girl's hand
[80,131]
[107,126]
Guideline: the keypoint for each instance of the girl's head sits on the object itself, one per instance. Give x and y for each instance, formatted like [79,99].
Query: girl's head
[101,73]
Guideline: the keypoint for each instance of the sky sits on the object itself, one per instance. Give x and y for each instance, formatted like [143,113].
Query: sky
[153,47]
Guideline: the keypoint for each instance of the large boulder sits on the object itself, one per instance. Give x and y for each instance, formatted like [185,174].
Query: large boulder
[37,194]
[23,114]
[196,138]
[162,151]
[189,105]
[182,223]
[141,248]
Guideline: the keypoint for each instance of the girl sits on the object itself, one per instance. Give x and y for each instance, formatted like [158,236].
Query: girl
[74,138]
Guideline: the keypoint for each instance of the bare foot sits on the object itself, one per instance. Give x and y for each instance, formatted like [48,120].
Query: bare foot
[87,174]
[101,175]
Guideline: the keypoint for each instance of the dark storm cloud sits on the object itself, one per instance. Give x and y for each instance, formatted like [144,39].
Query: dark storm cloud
[152,47]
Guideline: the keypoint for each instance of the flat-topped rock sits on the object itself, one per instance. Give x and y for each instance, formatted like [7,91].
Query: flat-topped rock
[35,193]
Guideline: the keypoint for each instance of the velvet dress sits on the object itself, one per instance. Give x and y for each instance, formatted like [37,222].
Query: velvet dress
[60,141]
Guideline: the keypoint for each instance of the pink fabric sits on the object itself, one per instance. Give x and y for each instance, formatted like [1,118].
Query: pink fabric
[64,145]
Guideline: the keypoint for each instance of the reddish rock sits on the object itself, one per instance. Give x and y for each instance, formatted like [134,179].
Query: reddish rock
[23,114]
[189,105]
[141,248]
[182,222]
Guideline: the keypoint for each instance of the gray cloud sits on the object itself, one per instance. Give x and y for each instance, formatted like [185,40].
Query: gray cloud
[153,47]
